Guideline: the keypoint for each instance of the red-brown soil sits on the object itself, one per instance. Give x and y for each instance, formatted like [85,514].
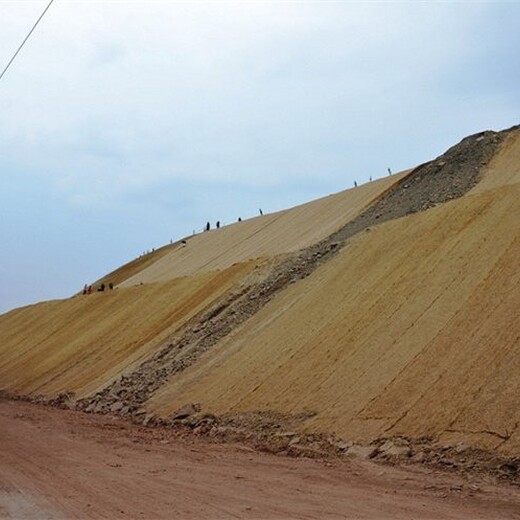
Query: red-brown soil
[64,464]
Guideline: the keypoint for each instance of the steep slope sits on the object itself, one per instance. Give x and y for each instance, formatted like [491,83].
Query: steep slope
[81,344]
[449,176]
[411,329]
[389,309]
[504,170]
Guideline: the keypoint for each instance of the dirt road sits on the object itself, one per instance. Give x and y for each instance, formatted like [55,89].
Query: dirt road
[62,464]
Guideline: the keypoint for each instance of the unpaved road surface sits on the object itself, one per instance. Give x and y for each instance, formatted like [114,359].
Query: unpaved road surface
[64,464]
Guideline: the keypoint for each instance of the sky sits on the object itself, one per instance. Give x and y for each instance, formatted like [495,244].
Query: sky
[127,124]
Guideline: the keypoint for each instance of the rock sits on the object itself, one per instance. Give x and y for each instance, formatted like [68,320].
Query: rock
[149,417]
[394,449]
[208,419]
[186,411]
[460,448]
[294,440]
[364,452]
[285,434]
[98,408]
[118,405]
[116,388]
[70,405]
[343,446]
[400,451]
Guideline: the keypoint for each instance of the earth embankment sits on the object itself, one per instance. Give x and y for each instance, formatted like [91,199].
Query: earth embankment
[389,309]
[81,344]
[412,329]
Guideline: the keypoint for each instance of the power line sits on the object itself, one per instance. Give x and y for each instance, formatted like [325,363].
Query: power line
[25,39]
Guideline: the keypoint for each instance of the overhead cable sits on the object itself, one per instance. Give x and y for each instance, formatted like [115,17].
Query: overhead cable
[25,39]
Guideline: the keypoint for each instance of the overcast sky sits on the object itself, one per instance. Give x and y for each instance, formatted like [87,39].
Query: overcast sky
[124,124]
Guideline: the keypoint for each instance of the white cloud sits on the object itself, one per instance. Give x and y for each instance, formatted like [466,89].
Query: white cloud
[113,104]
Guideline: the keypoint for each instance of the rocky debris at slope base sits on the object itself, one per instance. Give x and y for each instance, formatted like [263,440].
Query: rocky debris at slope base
[281,434]
[449,176]
[458,457]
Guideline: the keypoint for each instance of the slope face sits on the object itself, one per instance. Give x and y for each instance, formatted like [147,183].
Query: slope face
[504,169]
[81,344]
[411,329]
[380,318]
[267,236]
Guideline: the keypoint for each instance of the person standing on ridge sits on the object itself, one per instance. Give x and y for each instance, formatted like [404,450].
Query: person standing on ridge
[218,224]
[261,212]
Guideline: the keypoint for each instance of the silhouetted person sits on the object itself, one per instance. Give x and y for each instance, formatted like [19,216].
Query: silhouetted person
[239,219]
[208,226]
[85,289]
[110,285]
[89,290]
[101,288]
[218,224]
[389,171]
[261,212]
[355,184]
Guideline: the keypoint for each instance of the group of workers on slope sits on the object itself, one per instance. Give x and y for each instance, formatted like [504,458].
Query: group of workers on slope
[87,289]
[207,227]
